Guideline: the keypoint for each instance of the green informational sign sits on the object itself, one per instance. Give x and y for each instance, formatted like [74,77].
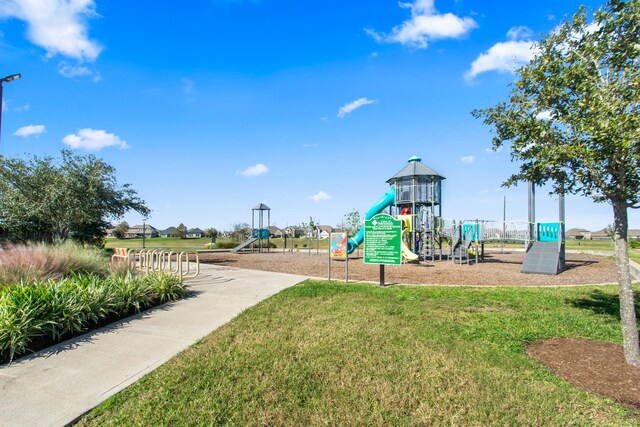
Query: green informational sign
[382,240]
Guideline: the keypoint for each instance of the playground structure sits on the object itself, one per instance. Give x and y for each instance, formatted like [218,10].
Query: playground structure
[146,260]
[258,235]
[415,197]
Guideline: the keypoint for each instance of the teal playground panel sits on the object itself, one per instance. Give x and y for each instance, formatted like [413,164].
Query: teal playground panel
[471,232]
[548,231]
[260,233]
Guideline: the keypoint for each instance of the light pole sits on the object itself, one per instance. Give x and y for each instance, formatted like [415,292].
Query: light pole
[6,79]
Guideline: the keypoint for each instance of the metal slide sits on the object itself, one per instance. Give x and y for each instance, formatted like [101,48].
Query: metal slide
[244,244]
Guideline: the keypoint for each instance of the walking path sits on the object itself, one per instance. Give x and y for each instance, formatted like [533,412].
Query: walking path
[56,386]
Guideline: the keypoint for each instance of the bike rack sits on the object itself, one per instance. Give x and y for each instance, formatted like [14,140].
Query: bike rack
[157,260]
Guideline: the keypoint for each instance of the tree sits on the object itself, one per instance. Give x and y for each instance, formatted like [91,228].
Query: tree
[212,233]
[352,221]
[241,231]
[180,232]
[75,197]
[120,230]
[610,231]
[573,120]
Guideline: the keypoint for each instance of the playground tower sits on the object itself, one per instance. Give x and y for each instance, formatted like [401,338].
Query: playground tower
[419,188]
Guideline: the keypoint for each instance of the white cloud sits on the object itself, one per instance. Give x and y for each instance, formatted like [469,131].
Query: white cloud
[24,108]
[94,140]
[70,71]
[255,170]
[491,150]
[520,33]
[26,131]
[348,108]
[467,159]
[319,197]
[425,25]
[503,57]
[544,115]
[60,27]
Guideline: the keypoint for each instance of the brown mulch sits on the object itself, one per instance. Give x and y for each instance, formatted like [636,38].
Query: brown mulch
[596,366]
[497,270]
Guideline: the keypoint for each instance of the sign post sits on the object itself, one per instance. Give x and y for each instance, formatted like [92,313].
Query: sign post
[383,242]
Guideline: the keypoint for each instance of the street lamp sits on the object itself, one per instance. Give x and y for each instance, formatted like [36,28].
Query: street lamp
[144,229]
[6,79]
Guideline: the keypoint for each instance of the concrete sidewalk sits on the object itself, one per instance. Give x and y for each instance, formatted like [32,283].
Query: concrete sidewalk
[55,386]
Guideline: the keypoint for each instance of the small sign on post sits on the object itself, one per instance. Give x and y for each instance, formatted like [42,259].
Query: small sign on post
[383,242]
[338,250]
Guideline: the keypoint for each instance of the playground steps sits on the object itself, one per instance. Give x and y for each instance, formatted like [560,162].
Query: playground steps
[542,258]
[244,244]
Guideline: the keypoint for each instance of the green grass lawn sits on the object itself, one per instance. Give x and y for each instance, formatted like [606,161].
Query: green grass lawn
[199,244]
[326,353]
[158,242]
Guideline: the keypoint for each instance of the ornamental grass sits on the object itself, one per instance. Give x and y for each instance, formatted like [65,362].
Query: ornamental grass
[29,263]
[48,311]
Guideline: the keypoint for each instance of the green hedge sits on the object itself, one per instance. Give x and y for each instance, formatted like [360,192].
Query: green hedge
[226,245]
[54,310]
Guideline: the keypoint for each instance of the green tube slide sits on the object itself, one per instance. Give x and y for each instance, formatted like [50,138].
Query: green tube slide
[389,199]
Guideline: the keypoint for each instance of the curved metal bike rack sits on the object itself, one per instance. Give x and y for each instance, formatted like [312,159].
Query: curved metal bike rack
[169,261]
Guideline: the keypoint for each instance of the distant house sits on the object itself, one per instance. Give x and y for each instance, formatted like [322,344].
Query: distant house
[137,231]
[295,231]
[600,235]
[633,233]
[167,232]
[324,231]
[577,234]
[194,233]
[275,232]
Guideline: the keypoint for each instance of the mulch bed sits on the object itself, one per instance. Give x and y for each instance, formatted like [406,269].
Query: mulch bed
[595,366]
[497,270]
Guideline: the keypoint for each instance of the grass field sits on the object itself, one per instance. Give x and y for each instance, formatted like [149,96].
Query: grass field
[326,353]
[199,244]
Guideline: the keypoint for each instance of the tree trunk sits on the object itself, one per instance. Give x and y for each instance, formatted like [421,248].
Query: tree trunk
[627,305]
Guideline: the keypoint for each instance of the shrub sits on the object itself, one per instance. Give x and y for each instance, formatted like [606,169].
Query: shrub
[634,244]
[165,286]
[54,310]
[32,263]
[227,245]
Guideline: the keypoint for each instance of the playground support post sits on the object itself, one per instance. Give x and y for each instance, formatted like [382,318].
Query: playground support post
[532,213]
[346,268]
[561,214]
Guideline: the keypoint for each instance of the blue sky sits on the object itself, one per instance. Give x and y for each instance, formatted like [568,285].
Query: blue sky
[306,106]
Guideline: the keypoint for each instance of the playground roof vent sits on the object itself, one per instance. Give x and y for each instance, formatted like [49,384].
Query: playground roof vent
[414,167]
[261,207]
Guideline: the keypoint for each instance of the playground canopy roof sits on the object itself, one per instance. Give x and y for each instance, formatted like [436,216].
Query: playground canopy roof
[261,207]
[414,167]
